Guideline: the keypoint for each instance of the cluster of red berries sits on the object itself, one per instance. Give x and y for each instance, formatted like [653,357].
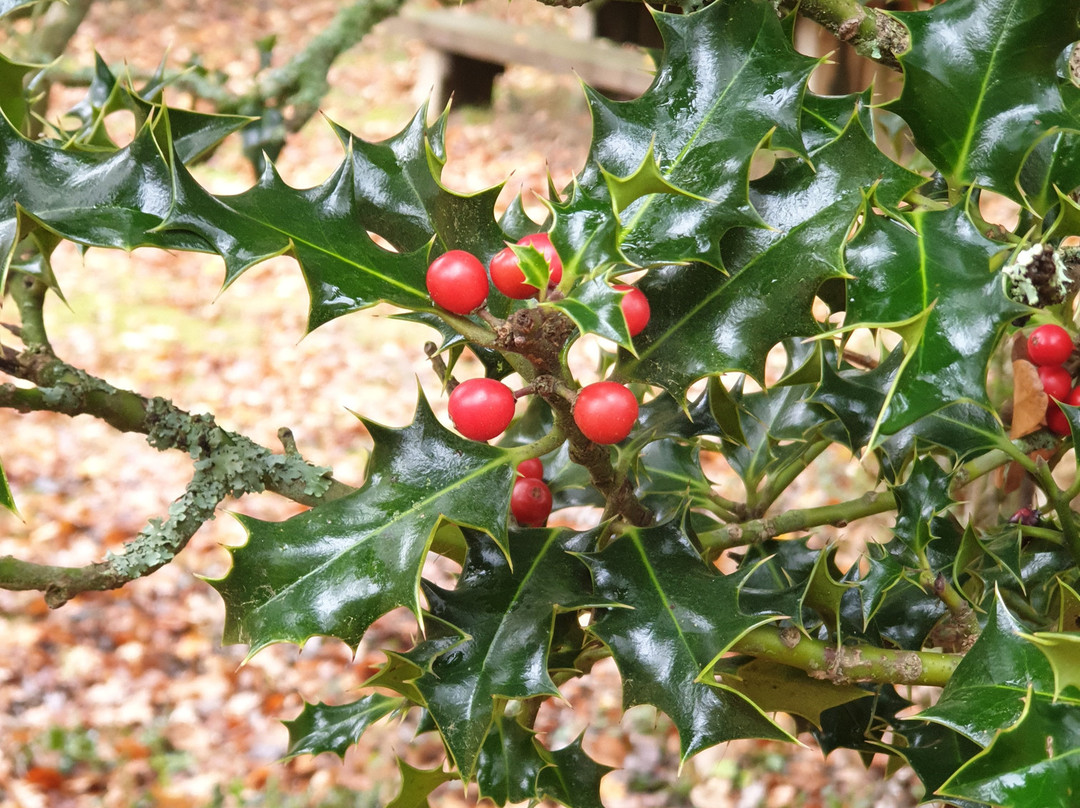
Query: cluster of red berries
[482,409]
[1048,348]
[458,282]
[530,501]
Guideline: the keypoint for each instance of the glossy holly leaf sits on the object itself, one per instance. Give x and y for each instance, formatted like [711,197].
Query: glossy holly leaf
[1035,761]
[334,728]
[510,762]
[981,85]
[919,500]
[594,307]
[191,133]
[728,80]
[935,753]
[884,572]
[705,321]
[390,189]
[993,681]
[683,617]
[825,117]
[6,499]
[929,278]
[490,637]
[13,102]
[572,777]
[334,569]
[1063,653]
[417,785]
[102,199]
[780,688]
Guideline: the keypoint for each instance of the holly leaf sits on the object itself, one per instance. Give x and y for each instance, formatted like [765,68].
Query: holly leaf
[417,785]
[993,682]
[705,321]
[1035,761]
[334,728]
[108,199]
[13,102]
[780,688]
[981,85]
[389,189]
[685,146]
[510,762]
[934,752]
[8,6]
[6,499]
[572,777]
[493,632]
[334,569]
[919,500]
[1063,653]
[929,278]
[683,617]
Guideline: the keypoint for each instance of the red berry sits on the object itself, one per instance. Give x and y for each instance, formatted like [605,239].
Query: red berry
[1056,421]
[1056,381]
[456,280]
[605,412]
[531,468]
[635,308]
[1049,345]
[481,409]
[530,501]
[506,272]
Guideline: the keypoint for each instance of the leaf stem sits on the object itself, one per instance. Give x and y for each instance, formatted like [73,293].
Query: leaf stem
[757,530]
[847,664]
[778,483]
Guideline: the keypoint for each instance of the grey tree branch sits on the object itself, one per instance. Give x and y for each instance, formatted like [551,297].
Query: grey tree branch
[225,463]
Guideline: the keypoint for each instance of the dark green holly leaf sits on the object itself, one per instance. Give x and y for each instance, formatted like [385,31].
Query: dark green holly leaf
[594,308]
[993,682]
[884,573]
[572,777]
[417,785]
[102,199]
[493,632]
[6,500]
[825,117]
[390,189]
[919,500]
[929,278]
[981,85]
[705,321]
[683,616]
[669,478]
[860,724]
[334,728]
[728,80]
[934,752]
[334,569]
[510,763]
[1035,761]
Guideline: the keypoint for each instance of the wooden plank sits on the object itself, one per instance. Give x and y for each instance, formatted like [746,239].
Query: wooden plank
[599,63]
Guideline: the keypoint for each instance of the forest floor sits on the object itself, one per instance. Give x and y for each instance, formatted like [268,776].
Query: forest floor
[129,698]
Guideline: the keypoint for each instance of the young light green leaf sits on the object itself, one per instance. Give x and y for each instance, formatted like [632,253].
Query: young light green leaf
[1063,652]
[417,785]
